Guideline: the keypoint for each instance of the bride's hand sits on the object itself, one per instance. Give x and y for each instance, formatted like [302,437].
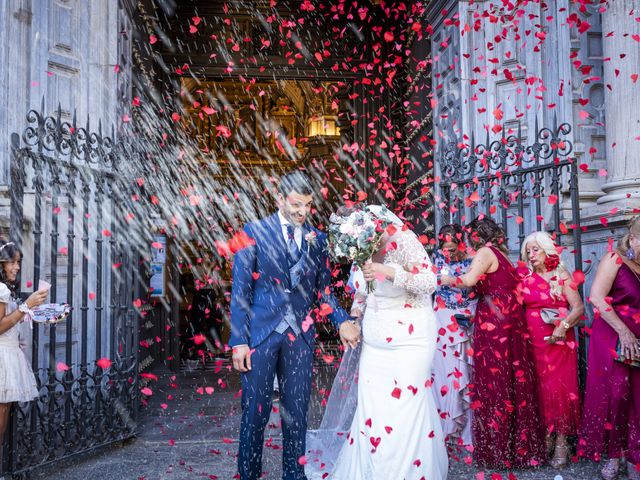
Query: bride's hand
[378,271]
[349,334]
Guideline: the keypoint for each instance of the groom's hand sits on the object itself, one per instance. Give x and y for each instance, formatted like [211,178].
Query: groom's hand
[349,334]
[242,358]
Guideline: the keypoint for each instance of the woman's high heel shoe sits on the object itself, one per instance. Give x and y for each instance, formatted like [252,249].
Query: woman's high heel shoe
[560,456]
[611,469]
[549,442]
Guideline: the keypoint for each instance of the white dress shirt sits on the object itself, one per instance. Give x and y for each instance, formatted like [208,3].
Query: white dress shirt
[297,231]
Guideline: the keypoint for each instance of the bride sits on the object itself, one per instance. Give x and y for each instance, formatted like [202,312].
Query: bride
[395,431]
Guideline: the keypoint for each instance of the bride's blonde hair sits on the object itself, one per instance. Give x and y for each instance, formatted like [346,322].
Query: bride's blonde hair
[546,243]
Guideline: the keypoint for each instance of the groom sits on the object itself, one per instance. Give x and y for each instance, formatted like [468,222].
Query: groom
[276,283]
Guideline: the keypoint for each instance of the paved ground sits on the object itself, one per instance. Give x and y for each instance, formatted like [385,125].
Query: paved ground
[195,437]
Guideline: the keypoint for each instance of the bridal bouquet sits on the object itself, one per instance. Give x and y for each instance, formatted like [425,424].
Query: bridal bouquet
[355,237]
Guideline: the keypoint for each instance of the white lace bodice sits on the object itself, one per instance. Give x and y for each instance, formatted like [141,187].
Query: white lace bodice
[415,278]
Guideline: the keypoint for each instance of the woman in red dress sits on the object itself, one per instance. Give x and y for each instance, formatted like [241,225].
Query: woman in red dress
[506,430]
[553,307]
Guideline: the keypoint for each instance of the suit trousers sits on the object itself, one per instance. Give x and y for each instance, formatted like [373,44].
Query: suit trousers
[292,359]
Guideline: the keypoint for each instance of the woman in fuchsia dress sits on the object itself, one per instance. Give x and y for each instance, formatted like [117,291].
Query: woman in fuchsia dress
[553,308]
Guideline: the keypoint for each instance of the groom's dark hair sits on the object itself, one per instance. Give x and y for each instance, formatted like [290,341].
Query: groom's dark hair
[295,181]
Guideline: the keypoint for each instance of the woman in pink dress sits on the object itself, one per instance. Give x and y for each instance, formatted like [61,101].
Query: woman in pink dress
[506,430]
[611,417]
[548,295]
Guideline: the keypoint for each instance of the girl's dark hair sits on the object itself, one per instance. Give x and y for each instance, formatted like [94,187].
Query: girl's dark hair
[484,230]
[9,251]
[453,231]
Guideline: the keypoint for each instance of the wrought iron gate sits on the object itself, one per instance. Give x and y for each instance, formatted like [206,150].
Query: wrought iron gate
[68,215]
[525,188]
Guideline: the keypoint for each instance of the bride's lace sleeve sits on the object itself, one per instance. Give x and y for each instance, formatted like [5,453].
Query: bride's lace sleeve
[414,271]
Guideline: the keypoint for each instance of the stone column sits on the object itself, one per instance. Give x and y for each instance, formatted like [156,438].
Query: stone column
[622,115]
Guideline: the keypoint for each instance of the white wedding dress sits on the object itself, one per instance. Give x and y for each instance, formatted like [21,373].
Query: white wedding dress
[396,431]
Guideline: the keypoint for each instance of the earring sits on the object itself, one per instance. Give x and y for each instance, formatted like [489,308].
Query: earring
[631,254]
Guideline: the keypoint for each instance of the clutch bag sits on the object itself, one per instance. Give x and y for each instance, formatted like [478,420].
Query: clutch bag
[550,315]
[622,359]
[463,320]
[51,313]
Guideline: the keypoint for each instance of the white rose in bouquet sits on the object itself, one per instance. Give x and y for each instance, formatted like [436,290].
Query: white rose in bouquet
[355,238]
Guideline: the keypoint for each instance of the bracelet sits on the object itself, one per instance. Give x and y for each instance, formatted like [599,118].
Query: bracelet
[24,308]
[564,324]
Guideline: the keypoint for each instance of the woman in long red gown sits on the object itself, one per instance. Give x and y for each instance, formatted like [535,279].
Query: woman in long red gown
[548,285]
[506,431]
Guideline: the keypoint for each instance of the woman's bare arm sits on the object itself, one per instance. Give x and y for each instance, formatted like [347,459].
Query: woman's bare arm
[575,301]
[483,261]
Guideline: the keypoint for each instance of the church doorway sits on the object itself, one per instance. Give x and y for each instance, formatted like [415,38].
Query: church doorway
[247,134]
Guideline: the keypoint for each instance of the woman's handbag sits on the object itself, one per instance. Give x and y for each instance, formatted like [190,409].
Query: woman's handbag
[622,359]
[550,315]
[51,313]
[463,320]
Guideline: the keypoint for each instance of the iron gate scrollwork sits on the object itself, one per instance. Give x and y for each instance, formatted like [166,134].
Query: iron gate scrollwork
[524,187]
[67,214]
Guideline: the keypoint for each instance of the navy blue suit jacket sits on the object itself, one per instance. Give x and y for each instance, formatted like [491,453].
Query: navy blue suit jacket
[262,289]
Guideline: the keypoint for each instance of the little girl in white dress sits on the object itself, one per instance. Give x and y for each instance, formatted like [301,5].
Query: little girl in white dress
[17,382]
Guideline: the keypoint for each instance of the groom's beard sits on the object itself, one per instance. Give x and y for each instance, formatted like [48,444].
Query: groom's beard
[295,219]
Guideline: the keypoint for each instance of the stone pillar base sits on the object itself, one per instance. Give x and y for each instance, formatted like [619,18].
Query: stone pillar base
[623,192]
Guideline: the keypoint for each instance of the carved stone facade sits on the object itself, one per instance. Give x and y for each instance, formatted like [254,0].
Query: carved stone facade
[463,77]
[621,97]
[69,52]
[75,55]
[580,66]
[67,59]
